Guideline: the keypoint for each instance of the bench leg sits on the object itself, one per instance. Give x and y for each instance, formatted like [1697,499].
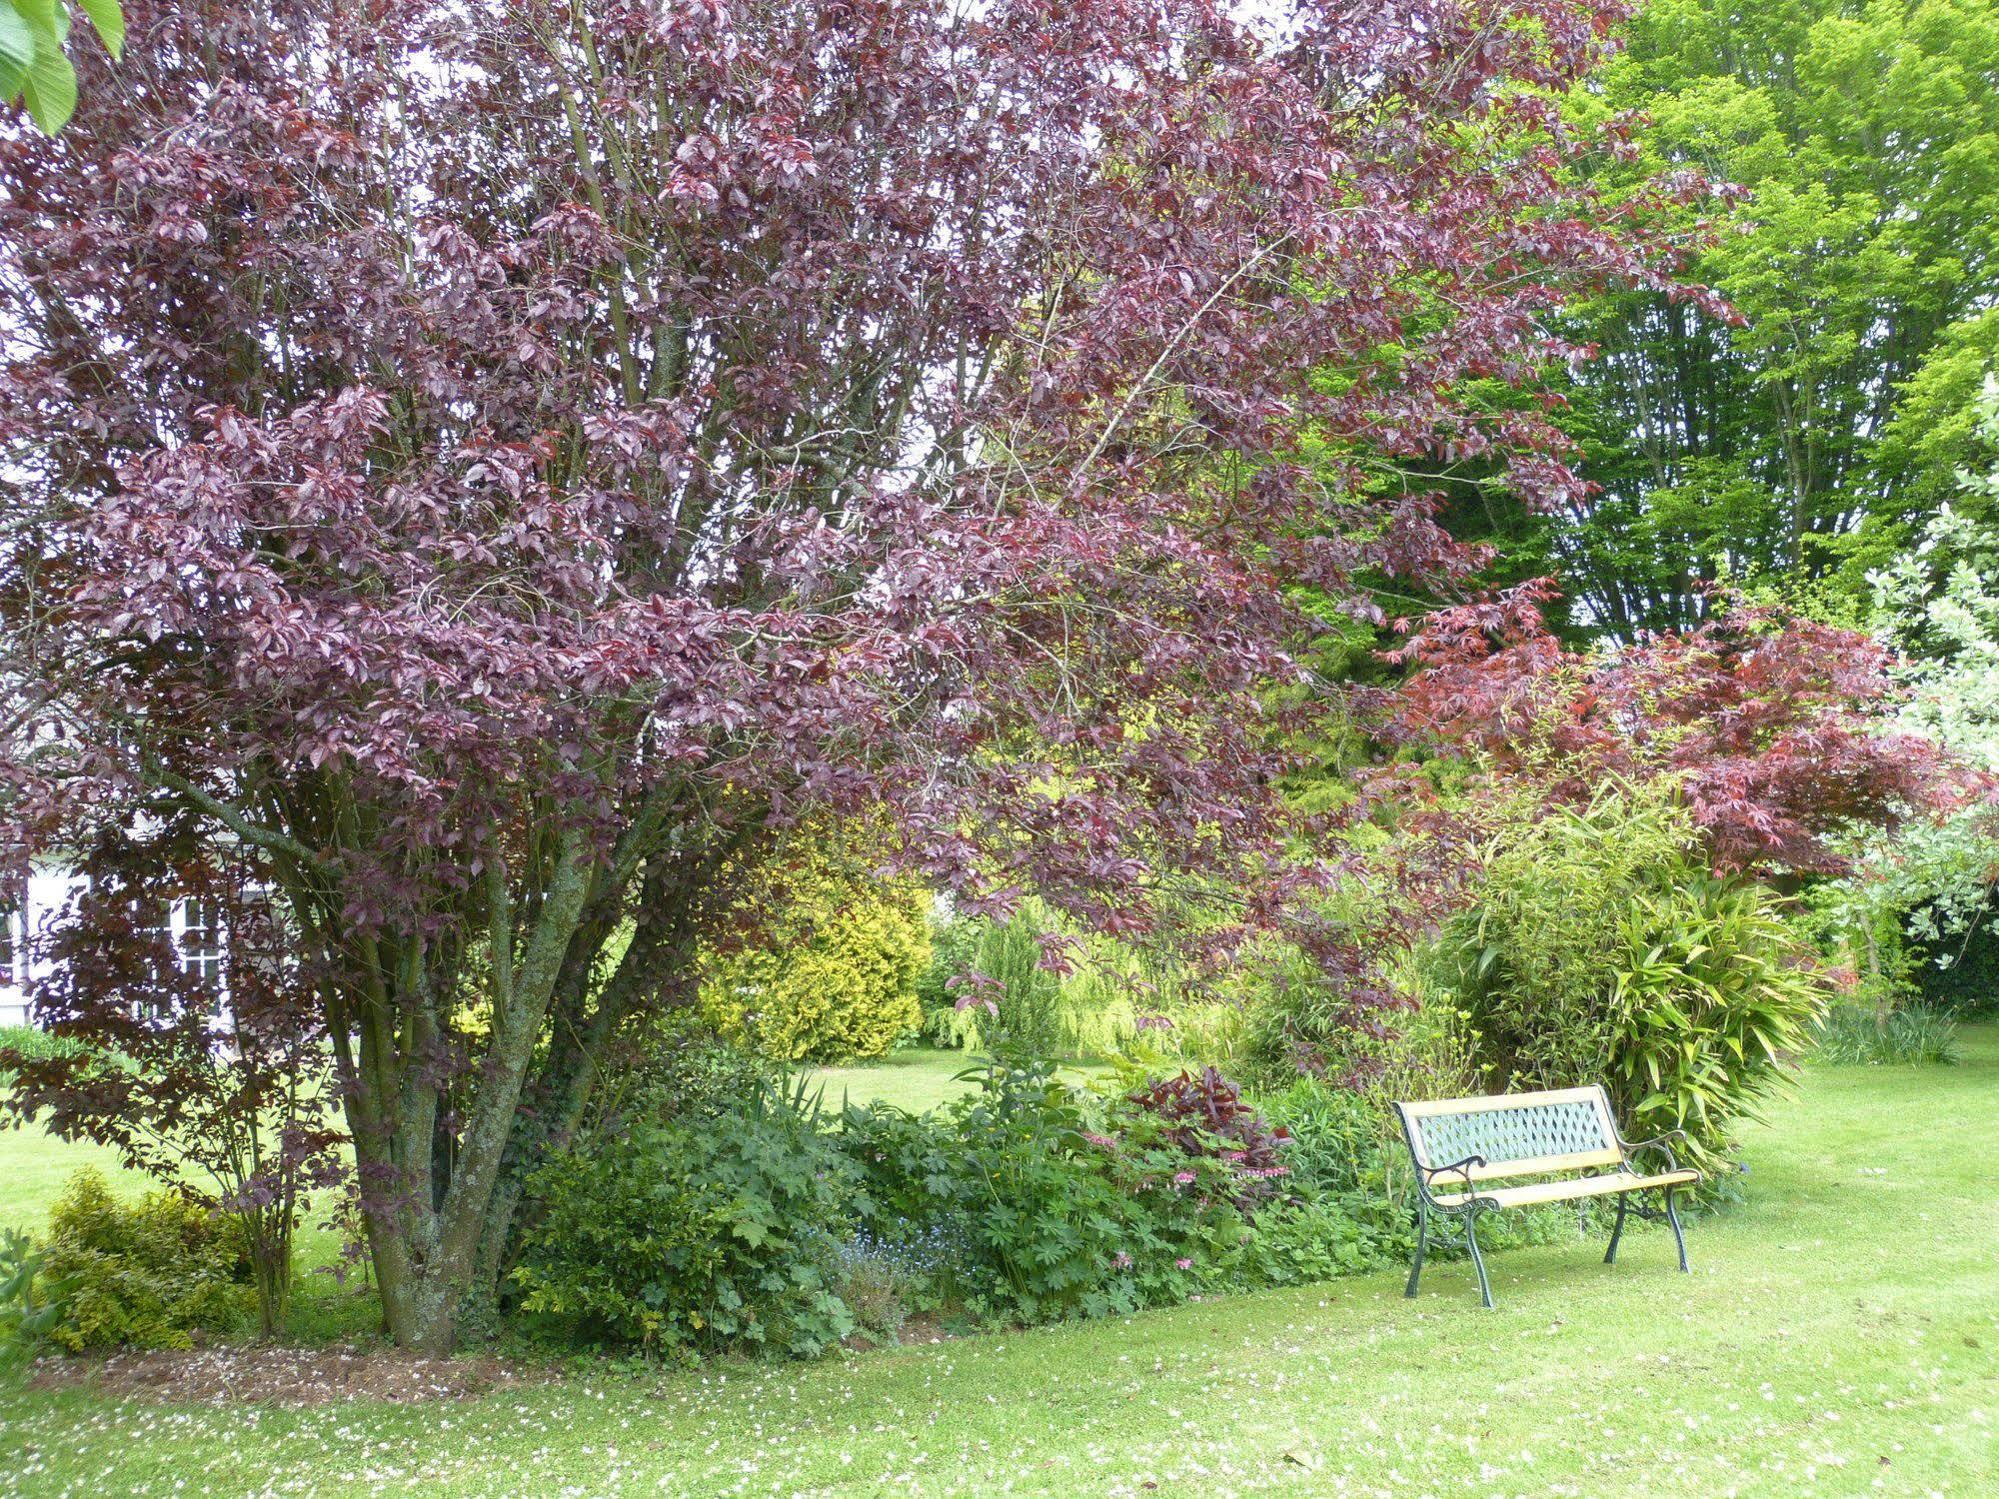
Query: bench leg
[1610,1254]
[1422,1242]
[1673,1217]
[1478,1260]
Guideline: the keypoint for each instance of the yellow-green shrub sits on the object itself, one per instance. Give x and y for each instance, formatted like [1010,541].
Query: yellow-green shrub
[146,1274]
[830,970]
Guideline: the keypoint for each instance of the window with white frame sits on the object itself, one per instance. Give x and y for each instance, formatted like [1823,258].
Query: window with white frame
[193,933]
[200,942]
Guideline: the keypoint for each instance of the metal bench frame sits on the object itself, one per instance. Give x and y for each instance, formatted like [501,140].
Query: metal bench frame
[1530,1134]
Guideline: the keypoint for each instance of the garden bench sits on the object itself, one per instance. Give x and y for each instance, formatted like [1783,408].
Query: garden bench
[1460,1144]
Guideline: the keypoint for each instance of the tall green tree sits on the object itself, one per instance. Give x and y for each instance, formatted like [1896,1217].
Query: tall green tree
[1817,435]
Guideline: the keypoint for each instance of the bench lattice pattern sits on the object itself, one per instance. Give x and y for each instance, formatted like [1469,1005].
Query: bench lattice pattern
[1542,1129]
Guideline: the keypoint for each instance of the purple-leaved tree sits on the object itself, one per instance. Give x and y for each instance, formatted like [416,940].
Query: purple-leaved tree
[489,464]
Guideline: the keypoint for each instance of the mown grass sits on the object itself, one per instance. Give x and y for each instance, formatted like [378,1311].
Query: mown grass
[1840,1335]
[920,1079]
[34,1166]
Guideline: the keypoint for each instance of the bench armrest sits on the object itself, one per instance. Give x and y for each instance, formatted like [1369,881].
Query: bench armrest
[1426,1176]
[1660,1143]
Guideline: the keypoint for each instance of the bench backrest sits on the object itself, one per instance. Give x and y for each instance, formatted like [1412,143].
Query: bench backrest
[1519,1134]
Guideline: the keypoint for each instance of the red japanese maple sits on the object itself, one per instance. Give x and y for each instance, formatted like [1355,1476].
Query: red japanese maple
[491,463]
[1772,726]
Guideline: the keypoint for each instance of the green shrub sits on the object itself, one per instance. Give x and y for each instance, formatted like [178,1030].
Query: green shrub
[693,1232]
[830,972]
[1321,1238]
[144,1275]
[1958,974]
[675,1065]
[910,1170]
[1601,949]
[1337,1137]
[1027,996]
[1860,1037]
[1060,1219]
[1350,1205]
[32,1043]
[1028,1202]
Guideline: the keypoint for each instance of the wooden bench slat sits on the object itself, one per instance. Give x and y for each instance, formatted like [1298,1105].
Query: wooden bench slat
[1541,1165]
[1482,1101]
[1535,1193]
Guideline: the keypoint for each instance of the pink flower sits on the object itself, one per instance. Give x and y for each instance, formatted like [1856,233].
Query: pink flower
[1183,1178]
[1183,1264]
[1121,1261]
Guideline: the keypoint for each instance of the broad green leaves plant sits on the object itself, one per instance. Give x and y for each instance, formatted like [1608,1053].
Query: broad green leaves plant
[35,69]
[1601,948]
[29,1306]
[696,1232]
[1710,997]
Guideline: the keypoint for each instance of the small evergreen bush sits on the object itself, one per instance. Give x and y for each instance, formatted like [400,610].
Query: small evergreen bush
[829,972]
[148,1274]
[999,963]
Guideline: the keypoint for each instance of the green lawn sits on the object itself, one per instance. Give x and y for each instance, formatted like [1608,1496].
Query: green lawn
[1840,1335]
[917,1080]
[34,1166]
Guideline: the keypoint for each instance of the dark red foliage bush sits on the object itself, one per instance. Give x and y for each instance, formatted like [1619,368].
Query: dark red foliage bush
[1204,1116]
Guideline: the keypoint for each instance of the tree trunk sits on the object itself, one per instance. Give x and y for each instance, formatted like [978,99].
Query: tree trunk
[426,1218]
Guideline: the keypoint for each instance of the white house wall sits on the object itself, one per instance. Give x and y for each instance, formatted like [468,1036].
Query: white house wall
[46,894]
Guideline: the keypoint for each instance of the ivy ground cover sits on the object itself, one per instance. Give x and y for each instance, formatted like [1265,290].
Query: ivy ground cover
[1840,1335]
